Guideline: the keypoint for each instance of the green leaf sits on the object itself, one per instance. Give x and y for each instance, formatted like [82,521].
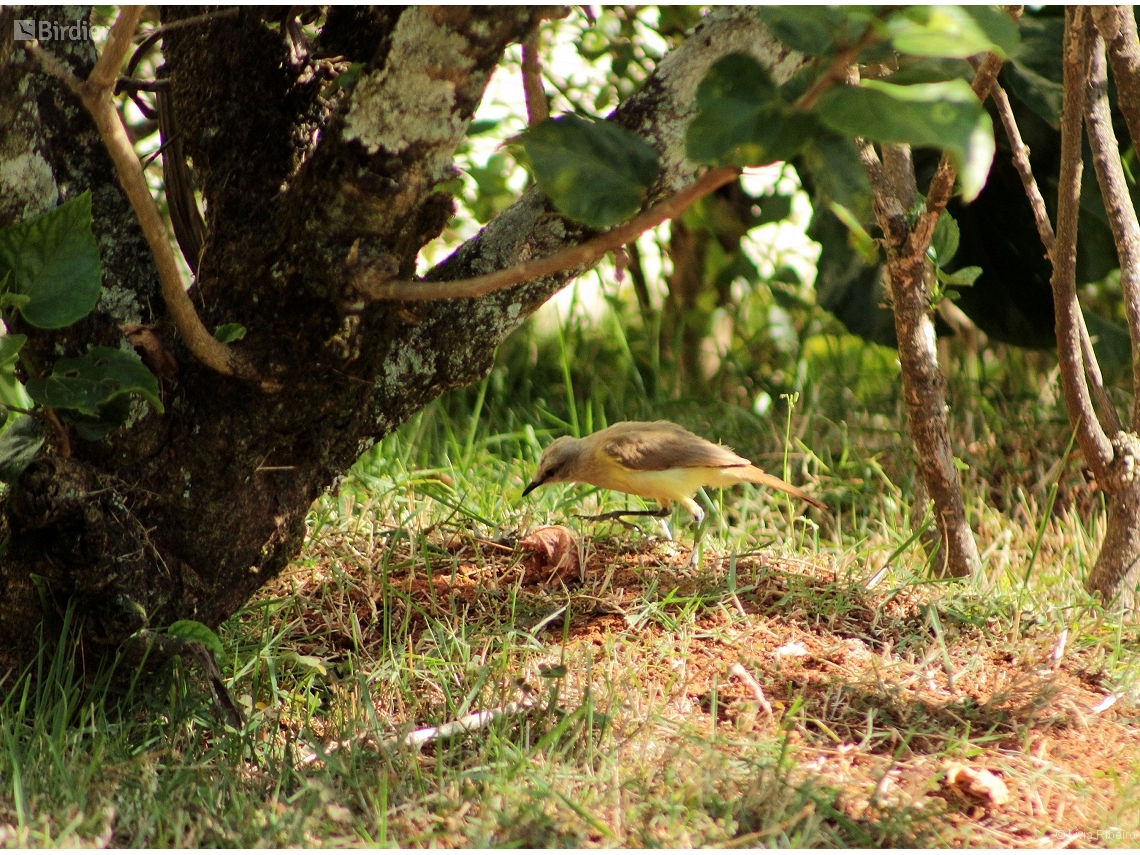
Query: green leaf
[482,126]
[1002,31]
[192,630]
[963,278]
[493,192]
[93,428]
[12,392]
[87,383]
[8,300]
[10,349]
[944,241]
[595,173]
[742,120]
[952,31]
[53,260]
[944,115]
[838,173]
[18,447]
[227,333]
[817,30]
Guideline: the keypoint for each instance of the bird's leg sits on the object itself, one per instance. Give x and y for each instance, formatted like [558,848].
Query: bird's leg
[702,523]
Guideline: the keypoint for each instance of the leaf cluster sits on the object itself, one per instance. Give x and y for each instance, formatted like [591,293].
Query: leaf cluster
[51,277]
[913,91]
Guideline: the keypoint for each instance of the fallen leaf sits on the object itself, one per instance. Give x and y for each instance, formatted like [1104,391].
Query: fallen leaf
[977,784]
[556,546]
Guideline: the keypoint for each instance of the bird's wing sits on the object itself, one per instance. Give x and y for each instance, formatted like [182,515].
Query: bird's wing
[653,446]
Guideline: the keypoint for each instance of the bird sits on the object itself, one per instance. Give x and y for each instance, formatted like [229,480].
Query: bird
[657,460]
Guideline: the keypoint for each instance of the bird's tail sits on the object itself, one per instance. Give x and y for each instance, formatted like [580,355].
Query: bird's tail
[758,476]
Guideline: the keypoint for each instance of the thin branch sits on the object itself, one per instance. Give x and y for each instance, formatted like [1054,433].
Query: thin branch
[1094,443]
[106,70]
[1020,156]
[1117,199]
[1117,26]
[888,209]
[130,84]
[537,106]
[1114,192]
[154,35]
[369,285]
[942,184]
[838,69]
[907,272]
[96,95]
[49,415]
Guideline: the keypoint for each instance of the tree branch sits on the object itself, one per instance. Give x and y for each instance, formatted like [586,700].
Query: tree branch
[838,69]
[370,287]
[96,94]
[537,107]
[1117,200]
[1117,26]
[923,384]
[942,184]
[898,166]
[888,208]
[1094,443]
[1020,156]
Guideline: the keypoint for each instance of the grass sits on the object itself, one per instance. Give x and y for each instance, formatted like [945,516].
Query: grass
[621,718]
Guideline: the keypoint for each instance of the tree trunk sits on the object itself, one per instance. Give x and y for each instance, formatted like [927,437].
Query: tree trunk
[924,388]
[185,515]
[1116,574]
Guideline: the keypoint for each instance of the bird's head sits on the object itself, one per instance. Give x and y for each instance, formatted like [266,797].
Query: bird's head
[559,462]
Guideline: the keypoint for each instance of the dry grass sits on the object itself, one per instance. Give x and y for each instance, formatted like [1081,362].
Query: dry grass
[867,697]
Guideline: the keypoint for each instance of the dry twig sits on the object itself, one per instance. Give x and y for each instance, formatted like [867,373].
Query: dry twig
[464,724]
[741,673]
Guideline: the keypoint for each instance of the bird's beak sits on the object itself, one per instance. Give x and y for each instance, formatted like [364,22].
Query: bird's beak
[531,486]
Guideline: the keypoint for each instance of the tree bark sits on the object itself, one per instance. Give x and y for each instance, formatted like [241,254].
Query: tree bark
[185,515]
[924,386]
[1117,571]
